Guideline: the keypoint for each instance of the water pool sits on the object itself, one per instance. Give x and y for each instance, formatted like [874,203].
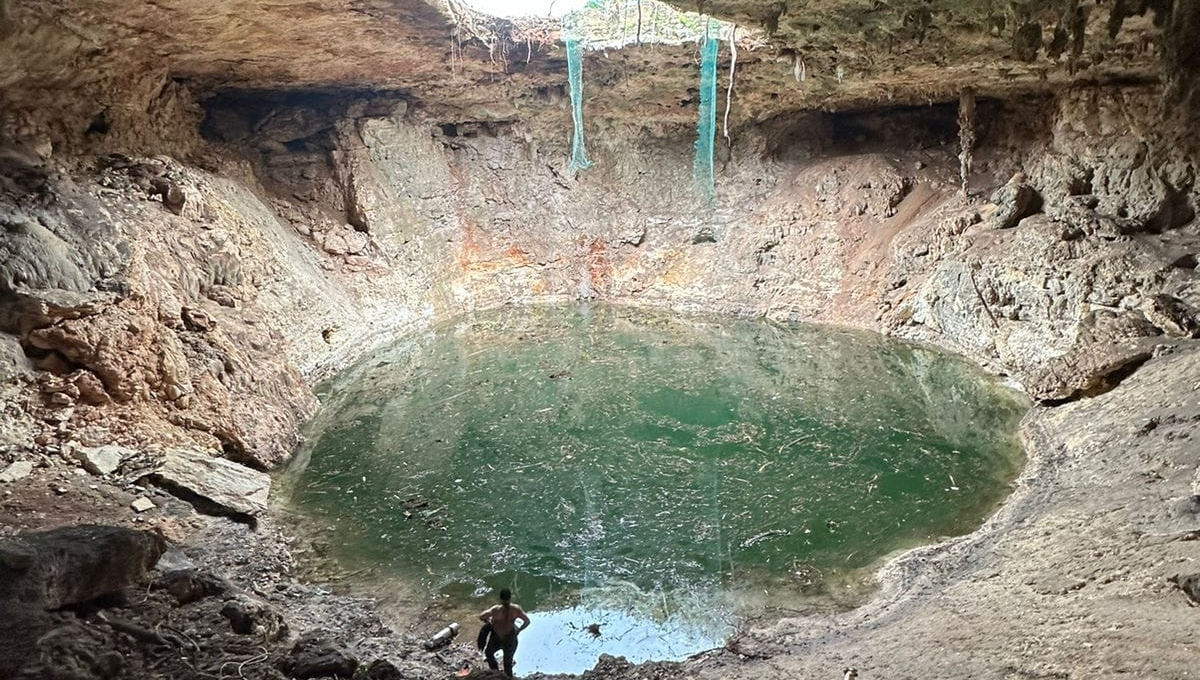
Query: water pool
[657,475]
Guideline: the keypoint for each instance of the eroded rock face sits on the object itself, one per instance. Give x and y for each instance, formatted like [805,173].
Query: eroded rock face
[119,317]
[878,239]
[368,220]
[447,194]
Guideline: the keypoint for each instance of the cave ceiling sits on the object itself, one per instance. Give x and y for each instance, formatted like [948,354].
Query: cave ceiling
[453,64]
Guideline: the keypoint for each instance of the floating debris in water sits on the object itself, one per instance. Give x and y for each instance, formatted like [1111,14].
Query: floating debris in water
[759,538]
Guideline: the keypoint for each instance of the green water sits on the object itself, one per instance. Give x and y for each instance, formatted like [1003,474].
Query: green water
[661,475]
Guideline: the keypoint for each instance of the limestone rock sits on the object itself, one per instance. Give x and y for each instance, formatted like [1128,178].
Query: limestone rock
[75,564]
[382,669]
[89,388]
[66,250]
[101,460]
[173,197]
[13,362]
[142,504]
[213,484]
[1187,507]
[314,655]
[251,616]
[173,375]
[1172,315]
[117,346]
[190,585]
[345,240]
[196,319]
[1015,201]
[18,470]
[1087,370]
[1027,40]
[1106,326]
[1190,585]
[52,304]
[289,126]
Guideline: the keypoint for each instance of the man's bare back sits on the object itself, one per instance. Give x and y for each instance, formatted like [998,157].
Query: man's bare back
[504,617]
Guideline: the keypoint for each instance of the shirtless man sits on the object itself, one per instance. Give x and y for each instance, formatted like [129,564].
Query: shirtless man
[503,619]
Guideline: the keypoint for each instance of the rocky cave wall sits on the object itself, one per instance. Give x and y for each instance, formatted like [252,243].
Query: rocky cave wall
[150,298]
[849,218]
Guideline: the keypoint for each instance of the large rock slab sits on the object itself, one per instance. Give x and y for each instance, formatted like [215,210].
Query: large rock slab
[75,564]
[1087,370]
[214,485]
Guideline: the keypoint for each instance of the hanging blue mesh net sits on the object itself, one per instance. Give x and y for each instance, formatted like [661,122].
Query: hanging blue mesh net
[702,167]
[579,159]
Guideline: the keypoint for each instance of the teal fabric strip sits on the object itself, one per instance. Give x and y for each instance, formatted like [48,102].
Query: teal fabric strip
[579,159]
[702,167]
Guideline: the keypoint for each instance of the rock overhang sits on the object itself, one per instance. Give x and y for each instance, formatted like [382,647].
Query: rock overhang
[455,65]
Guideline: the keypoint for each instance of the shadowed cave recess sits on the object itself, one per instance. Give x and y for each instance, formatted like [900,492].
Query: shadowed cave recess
[210,210]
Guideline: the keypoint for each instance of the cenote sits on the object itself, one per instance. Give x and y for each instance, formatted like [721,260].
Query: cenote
[661,476]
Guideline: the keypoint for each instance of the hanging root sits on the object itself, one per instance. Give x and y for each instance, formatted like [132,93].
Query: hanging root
[966,135]
[639,23]
[729,92]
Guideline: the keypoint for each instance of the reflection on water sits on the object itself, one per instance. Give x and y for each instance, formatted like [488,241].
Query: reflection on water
[561,643]
[656,473]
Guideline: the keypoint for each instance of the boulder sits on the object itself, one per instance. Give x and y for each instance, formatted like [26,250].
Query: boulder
[190,585]
[1171,315]
[1190,585]
[101,460]
[13,362]
[314,655]
[382,669]
[142,504]
[1014,202]
[70,565]
[214,485]
[251,616]
[1088,369]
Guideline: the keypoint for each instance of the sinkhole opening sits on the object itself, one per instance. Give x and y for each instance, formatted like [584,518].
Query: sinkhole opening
[644,481]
